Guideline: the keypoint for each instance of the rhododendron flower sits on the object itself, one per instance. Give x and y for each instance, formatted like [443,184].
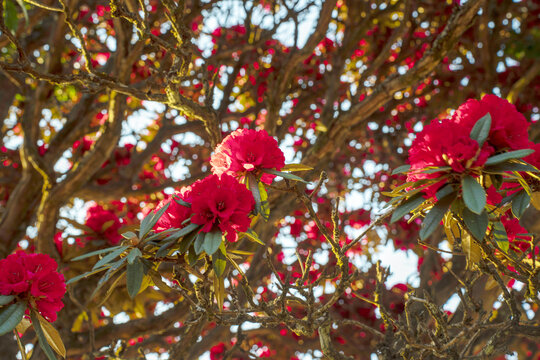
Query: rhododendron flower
[221,203]
[104,223]
[176,213]
[33,278]
[444,144]
[508,126]
[248,151]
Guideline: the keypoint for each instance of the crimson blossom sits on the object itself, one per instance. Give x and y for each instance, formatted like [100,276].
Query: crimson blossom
[508,126]
[442,144]
[221,202]
[247,151]
[104,223]
[33,278]
[177,213]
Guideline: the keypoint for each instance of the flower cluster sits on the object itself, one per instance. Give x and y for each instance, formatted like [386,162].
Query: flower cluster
[104,223]
[33,278]
[247,151]
[448,144]
[215,203]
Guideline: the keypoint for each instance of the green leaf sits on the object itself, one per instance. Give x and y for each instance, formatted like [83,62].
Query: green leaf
[285,175]
[252,235]
[191,256]
[474,194]
[434,217]
[199,243]
[108,274]
[406,207]
[401,169]
[110,257]
[445,191]
[516,154]
[296,167]
[480,130]
[133,254]
[11,18]
[212,241]
[150,220]
[219,261]
[501,238]
[43,343]
[187,241]
[82,276]
[520,203]
[437,169]
[476,223]
[6,299]
[97,252]
[182,202]
[165,248]
[11,316]
[135,274]
[259,195]
[509,165]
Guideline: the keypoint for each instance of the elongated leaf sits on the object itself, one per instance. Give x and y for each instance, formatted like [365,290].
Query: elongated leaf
[10,316]
[264,206]
[219,290]
[135,274]
[6,299]
[212,241]
[181,202]
[406,207]
[476,223]
[509,165]
[434,217]
[156,279]
[520,203]
[191,256]
[52,336]
[401,169]
[296,167]
[474,194]
[252,235]
[150,220]
[516,154]
[97,252]
[11,18]
[82,276]
[133,254]
[285,175]
[108,274]
[110,257]
[187,241]
[219,261]
[480,130]
[445,191]
[472,250]
[199,243]
[436,169]
[43,343]
[501,238]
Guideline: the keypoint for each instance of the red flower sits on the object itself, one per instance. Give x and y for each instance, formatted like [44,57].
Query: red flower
[508,126]
[444,144]
[13,277]
[33,277]
[104,223]
[221,203]
[176,213]
[247,151]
